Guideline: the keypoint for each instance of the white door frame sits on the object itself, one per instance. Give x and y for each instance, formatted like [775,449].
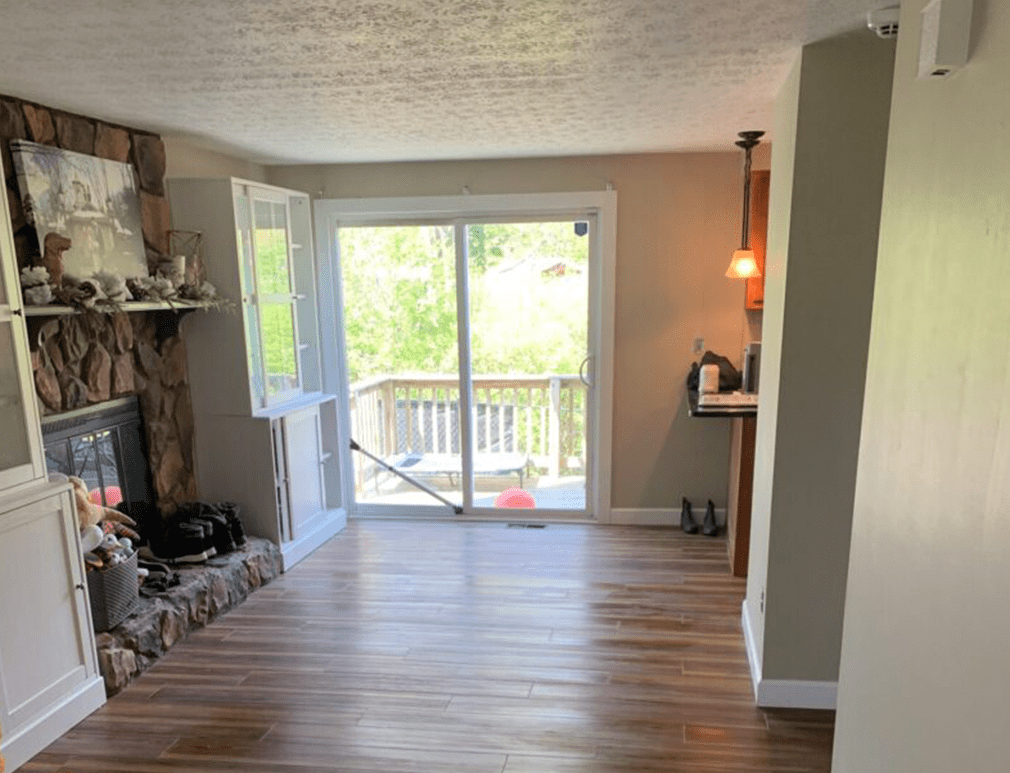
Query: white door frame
[597,207]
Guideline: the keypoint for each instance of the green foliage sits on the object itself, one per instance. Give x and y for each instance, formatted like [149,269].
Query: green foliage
[278,345]
[528,286]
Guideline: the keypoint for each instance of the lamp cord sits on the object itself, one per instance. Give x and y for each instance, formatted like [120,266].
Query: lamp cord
[747,141]
[745,236]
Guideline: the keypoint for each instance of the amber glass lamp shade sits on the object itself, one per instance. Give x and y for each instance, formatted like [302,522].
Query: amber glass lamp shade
[743,266]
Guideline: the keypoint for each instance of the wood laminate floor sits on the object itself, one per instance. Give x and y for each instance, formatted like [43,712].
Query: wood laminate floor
[459,648]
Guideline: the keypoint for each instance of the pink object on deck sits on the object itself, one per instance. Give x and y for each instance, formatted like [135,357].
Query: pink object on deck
[515,497]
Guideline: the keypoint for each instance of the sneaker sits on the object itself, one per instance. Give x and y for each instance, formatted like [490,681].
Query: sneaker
[216,525]
[182,542]
[230,511]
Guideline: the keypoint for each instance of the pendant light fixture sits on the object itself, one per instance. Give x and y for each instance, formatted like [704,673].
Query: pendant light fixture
[744,264]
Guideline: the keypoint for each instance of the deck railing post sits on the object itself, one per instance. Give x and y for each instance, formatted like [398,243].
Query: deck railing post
[554,424]
[389,416]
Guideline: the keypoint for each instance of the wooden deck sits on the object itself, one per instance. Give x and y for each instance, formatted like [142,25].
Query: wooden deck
[456,648]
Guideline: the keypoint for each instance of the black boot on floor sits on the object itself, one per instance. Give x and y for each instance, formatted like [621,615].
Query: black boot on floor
[687,522]
[709,527]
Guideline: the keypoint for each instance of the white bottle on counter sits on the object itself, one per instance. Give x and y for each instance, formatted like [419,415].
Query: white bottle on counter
[708,381]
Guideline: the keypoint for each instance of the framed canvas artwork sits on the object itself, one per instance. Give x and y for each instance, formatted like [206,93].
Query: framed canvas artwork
[90,201]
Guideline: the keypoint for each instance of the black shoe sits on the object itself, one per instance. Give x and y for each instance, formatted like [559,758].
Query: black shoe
[709,527]
[182,542]
[216,525]
[687,522]
[230,511]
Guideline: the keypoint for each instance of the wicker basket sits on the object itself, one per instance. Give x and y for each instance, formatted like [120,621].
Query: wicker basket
[113,593]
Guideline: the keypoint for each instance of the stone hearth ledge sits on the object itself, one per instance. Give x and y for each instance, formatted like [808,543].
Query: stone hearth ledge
[205,591]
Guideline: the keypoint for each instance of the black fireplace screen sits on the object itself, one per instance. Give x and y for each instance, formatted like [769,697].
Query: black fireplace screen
[104,446]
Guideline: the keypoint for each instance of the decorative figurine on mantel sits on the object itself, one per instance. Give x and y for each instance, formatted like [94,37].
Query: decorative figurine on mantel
[54,246]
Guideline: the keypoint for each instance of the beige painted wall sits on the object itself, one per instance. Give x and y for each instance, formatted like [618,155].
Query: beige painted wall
[184,159]
[677,224]
[925,667]
[824,229]
[776,257]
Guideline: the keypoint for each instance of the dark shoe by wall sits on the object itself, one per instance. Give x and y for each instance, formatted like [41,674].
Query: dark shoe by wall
[709,526]
[687,522]
[230,510]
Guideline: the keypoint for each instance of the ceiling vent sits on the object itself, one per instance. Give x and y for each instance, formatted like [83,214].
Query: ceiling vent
[884,21]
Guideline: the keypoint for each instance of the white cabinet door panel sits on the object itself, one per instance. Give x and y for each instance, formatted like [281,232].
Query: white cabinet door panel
[46,623]
[305,481]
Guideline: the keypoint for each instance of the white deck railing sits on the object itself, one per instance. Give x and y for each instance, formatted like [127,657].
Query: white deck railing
[543,417]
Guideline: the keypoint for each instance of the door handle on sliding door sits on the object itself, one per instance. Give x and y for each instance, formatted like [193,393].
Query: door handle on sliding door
[582,369]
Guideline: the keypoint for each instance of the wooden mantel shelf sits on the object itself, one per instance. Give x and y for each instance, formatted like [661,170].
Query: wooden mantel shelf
[129,306]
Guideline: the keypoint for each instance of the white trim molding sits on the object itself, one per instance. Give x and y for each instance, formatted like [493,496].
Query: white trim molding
[659,516]
[784,693]
[796,694]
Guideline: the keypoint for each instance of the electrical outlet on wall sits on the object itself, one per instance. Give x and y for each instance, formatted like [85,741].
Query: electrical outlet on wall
[698,347]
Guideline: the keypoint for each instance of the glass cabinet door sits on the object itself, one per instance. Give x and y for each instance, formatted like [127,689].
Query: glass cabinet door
[250,309]
[20,438]
[20,442]
[269,309]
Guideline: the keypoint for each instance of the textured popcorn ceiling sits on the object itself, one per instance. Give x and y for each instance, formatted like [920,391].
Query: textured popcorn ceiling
[368,80]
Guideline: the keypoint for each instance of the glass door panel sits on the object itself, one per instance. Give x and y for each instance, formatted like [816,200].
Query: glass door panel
[250,310]
[15,448]
[280,348]
[402,355]
[270,235]
[529,321]
[272,306]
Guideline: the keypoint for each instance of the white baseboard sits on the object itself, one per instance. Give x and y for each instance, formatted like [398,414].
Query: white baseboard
[659,516]
[797,694]
[784,693]
[750,643]
[25,742]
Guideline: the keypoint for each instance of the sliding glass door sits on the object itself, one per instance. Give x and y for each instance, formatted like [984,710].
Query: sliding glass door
[402,360]
[467,355]
[529,322]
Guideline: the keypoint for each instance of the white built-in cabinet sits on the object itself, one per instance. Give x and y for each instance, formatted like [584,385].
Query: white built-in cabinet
[49,679]
[265,430]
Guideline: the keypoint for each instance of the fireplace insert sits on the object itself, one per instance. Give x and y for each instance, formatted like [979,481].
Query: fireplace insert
[104,445]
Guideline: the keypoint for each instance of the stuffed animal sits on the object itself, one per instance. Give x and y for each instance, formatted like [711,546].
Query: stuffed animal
[90,514]
[113,286]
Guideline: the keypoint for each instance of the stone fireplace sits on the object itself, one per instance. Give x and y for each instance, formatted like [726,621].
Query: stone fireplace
[84,360]
[81,360]
[114,393]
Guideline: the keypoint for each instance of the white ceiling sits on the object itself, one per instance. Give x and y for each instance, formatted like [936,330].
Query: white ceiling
[288,81]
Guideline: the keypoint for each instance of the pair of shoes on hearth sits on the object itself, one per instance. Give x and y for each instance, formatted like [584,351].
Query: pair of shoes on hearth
[195,532]
[180,542]
[709,526]
[221,522]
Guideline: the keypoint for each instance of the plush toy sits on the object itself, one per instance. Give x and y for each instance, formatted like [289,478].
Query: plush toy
[90,514]
[35,283]
[113,286]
